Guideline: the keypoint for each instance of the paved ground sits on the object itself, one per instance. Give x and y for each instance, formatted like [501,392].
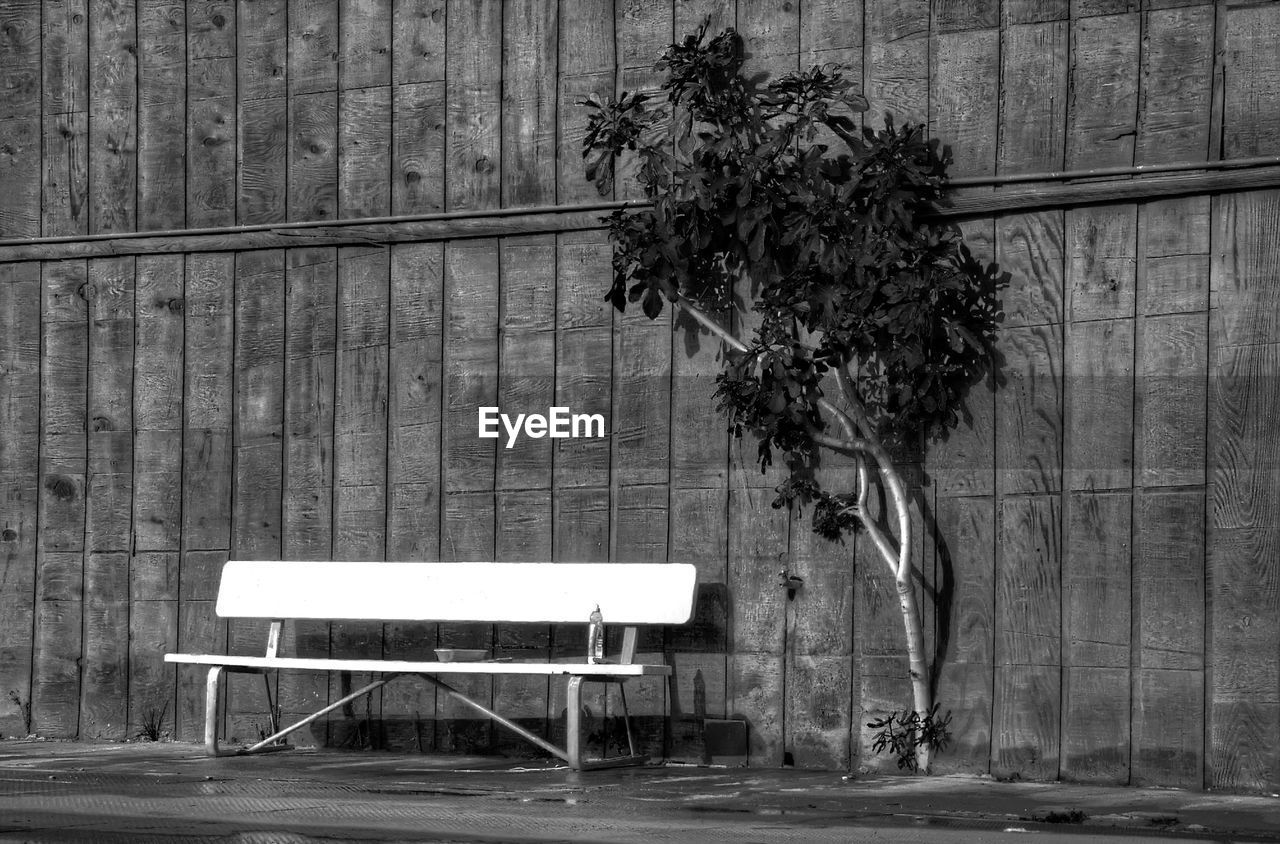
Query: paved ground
[62,791]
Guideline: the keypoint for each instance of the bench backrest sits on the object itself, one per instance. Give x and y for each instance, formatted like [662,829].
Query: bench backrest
[627,593]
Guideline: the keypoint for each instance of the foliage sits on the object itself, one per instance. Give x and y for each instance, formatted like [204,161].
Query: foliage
[152,726]
[768,190]
[902,734]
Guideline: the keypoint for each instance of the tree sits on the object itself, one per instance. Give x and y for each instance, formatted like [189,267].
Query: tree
[765,194]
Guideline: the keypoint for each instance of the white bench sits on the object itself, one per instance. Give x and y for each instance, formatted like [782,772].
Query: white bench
[628,594]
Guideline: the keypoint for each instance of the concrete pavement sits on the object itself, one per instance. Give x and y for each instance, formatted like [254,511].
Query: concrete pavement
[152,792]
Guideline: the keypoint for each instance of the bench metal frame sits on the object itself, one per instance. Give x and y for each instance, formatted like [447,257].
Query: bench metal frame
[573,753]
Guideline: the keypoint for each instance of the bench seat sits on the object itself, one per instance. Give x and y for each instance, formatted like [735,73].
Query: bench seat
[627,594]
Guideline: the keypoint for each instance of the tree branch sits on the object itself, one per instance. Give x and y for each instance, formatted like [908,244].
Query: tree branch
[711,325]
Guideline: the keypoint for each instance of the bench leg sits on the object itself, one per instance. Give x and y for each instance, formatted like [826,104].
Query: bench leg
[574,730]
[211,711]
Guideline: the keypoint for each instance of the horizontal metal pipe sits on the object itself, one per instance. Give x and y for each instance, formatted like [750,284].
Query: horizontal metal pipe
[1098,172]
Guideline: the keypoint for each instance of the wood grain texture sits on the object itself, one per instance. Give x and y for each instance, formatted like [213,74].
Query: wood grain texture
[529,44]
[153,632]
[896,67]
[113,106]
[1169,578]
[964,653]
[585,65]
[64,428]
[527,357]
[20,60]
[208,402]
[1025,733]
[109,494]
[417,183]
[1168,729]
[157,404]
[365,41]
[417,41]
[1101,118]
[1173,238]
[309,376]
[162,103]
[104,686]
[1034,61]
[64,53]
[262,62]
[364,152]
[964,96]
[1170,401]
[473,86]
[1098,399]
[1029,582]
[55,692]
[1174,98]
[211,114]
[756,694]
[1029,411]
[313,46]
[20,308]
[414,412]
[1096,579]
[1096,736]
[1251,106]
[313,156]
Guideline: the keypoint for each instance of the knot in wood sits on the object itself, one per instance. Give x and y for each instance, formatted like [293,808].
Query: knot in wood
[8,535]
[60,487]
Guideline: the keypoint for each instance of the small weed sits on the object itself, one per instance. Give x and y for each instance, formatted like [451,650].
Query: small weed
[1069,816]
[24,708]
[901,734]
[152,726]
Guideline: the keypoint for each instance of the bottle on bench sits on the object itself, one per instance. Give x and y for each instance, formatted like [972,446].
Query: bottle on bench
[595,637]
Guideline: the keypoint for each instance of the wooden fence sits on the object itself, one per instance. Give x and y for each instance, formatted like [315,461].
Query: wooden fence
[1099,545]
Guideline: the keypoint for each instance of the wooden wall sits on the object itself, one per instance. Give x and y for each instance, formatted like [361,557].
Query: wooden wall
[1099,546]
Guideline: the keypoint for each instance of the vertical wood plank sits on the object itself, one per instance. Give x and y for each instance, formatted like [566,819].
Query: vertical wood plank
[1242,531]
[473,86]
[113,117]
[162,104]
[20,413]
[1103,103]
[20,119]
[896,68]
[364,108]
[1174,100]
[585,67]
[157,404]
[528,173]
[365,43]
[1168,693]
[262,62]
[211,114]
[1251,113]
[1033,96]
[64,52]
[964,98]
[418,103]
[313,110]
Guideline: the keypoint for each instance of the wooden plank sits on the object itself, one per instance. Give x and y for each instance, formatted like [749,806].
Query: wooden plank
[417,183]
[211,114]
[162,103]
[1169,577]
[313,46]
[20,60]
[1173,236]
[896,68]
[309,374]
[413,460]
[1029,411]
[1168,729]
[313,156]
[199,631]
[1025,732]
[1170,402]
[1035,11]
[1104,90]
[20,346]
[64,52]
[640,419]
[417,41]
[1096,725]
[528,168]
[1029,582]
[1098,400]
[474,96]
[364,43]
[964,97]
[527,357]
[104,687]
[1033,96]
[113,106]
[55,693]
[364,144]
[109,496]
[1251,113]
[153,632]
[771,36]
[960,15]
[1096,580]
[208,402]
[20,177]
[157,404]
[964,653]
[262,120]
[1176,85]
[585,67]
